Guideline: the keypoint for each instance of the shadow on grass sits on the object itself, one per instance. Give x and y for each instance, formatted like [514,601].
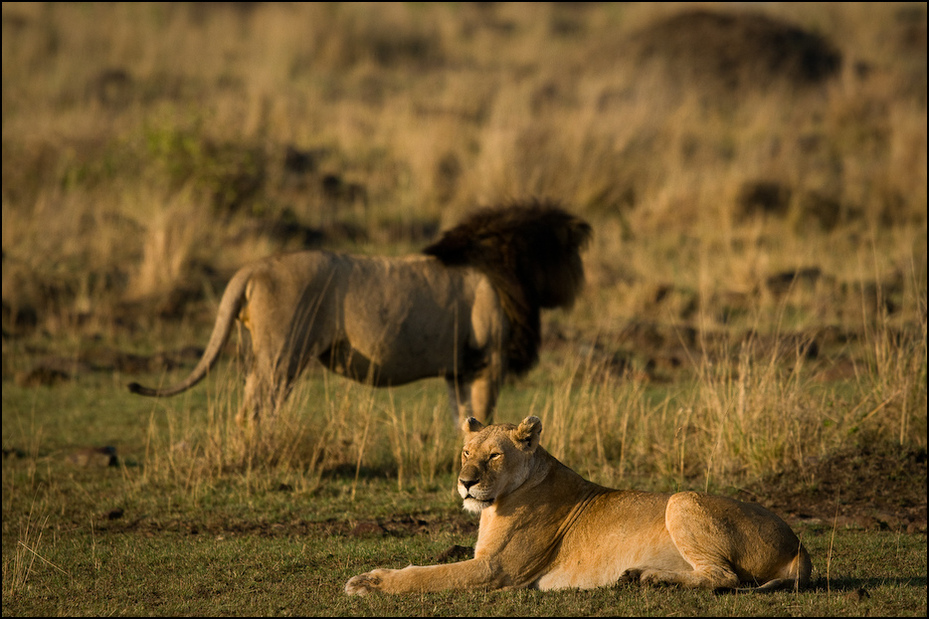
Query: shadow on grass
[860,585]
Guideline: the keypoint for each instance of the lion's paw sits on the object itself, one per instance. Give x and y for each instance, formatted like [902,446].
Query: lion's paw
[632,575]
[363,584]
[645,576]
[652,578]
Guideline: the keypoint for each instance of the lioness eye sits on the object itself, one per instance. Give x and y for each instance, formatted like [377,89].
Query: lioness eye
[495,455]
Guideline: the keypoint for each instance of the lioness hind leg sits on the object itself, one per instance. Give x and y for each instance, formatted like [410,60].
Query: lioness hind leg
[728,542]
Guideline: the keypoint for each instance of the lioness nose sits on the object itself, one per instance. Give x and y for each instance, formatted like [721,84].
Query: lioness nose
[467,483]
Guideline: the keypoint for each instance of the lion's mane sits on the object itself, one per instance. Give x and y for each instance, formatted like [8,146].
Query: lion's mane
[530,252]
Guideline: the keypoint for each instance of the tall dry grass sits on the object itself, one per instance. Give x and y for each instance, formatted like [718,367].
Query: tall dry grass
[145,158]
[751,409]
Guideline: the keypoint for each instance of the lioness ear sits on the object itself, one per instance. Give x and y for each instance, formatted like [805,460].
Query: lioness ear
[527,433]
[471,425]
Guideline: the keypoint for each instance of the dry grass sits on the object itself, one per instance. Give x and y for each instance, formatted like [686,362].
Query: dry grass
[150,149]
[17,570]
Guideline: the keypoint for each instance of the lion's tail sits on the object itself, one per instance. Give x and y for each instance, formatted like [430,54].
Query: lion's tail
[796,573]
[802,568]
[229,307]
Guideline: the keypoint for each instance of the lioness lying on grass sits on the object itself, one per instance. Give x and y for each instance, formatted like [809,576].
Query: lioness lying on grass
[544,526]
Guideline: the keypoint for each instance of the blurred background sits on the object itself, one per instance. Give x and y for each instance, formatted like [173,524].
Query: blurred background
[150,149]
[752,171]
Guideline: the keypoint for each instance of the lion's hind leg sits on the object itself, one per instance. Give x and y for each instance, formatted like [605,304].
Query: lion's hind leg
[261,398]
[729,542]
[288,327]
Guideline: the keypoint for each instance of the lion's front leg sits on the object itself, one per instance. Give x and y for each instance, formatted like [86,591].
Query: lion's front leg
[484,397]
[476,398]
[459,400]
[470,574]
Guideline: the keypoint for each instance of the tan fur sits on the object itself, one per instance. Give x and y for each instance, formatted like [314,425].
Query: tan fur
[389,321]
[543,526]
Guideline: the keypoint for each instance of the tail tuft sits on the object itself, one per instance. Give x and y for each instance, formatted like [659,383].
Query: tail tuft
[137,388]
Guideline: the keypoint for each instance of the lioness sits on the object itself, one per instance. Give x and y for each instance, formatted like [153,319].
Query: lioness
[466,309]
[544,526]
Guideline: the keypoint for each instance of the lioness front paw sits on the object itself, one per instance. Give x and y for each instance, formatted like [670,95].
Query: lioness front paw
[363,584]
[375,580]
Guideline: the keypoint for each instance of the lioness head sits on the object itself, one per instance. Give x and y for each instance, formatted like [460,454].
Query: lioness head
[495,460]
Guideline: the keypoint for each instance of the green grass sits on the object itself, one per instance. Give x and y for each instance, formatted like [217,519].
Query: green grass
[182,527]
[272,553]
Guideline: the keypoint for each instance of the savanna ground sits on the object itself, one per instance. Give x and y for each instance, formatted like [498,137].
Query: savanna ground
[754,322]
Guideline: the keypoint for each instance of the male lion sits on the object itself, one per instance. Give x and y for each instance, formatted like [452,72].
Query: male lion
[466,310]
[544,526]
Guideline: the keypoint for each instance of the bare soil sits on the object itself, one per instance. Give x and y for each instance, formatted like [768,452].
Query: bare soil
[869,486]
[729,52]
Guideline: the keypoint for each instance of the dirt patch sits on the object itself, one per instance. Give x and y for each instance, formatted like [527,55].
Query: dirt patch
[402,525]
[876,486]
[871,486]
[731,52]
[52,369]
